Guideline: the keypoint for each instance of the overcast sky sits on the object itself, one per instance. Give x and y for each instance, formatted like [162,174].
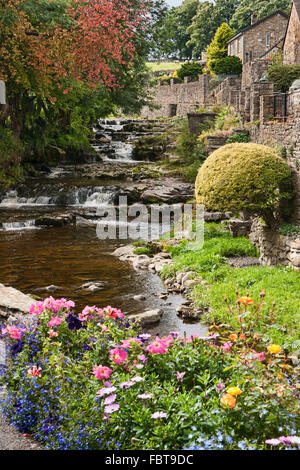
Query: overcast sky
[174,3]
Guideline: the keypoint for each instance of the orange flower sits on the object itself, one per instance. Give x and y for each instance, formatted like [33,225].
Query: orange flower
[246,300]
[234,391]
[274,348]
[233,337]
[255,336]
[242,336]
[228,401]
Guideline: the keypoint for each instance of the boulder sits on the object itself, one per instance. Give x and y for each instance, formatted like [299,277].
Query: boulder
[13,299]
[149,317]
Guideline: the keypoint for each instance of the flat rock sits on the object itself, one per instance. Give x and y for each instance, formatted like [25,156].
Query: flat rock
[149,317]
[13,299]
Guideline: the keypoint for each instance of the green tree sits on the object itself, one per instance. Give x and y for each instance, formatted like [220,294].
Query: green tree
[218,47]
[242,16]
[208,18]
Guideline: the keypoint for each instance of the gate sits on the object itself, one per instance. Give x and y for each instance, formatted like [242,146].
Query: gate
[281,106]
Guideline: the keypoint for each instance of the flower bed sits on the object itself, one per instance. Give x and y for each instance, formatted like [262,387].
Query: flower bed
[96,381]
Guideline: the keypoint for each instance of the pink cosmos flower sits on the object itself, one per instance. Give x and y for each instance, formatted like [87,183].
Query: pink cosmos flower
[35,371]
[52,333]
[118,355]
[102,372]
[55,321]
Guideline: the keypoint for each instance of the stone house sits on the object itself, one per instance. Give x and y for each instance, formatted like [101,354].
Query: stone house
[291,47]
[261,36]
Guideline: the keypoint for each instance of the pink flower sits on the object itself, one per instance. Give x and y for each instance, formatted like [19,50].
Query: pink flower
[35,371]
[226,346]
[157,347]
[52,333]
[159,415]
[260,356]
[118,355]
[111,408]
[112,312]
[128,343]
[13,331]
[102,372]
[142,358]
[36,308]
[55,321]
[109,400]
[179,376]
[105,391]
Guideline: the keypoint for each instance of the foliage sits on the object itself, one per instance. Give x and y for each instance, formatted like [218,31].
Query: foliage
[230,65]
[288,229]
[11,151]
[239,137]
[190,69]
[190,150]
[283,76]
[209,16]
[242,15]
[97,382]
[245,177]
[217,49]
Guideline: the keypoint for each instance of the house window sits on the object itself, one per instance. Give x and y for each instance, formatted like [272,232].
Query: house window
[232,48]
[268,40]
[240,45]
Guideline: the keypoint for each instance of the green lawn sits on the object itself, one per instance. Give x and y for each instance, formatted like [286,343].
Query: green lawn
[157,66]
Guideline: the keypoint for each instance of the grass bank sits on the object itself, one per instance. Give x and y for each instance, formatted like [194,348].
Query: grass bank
[281,284]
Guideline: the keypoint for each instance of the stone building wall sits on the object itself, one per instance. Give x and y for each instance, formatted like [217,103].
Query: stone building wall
[252,43]
[291,49]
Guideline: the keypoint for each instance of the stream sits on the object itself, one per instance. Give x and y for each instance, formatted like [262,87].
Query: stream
[61,260]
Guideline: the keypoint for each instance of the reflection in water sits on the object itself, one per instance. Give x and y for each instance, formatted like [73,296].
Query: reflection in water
[68,257]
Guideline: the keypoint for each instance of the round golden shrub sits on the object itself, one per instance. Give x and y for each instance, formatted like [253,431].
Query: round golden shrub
[245,176]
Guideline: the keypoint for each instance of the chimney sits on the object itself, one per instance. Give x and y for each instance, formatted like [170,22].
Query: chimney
[253,18]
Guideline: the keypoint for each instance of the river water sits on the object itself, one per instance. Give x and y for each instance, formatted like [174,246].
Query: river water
[33,258]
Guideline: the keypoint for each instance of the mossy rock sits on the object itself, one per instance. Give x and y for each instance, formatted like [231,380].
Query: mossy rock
[245,177]
[150,148]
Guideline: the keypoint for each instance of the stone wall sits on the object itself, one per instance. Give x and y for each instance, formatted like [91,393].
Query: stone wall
[275,248]
[185,98]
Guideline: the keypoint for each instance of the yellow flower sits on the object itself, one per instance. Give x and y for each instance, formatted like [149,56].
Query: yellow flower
[274,348]
[228,401]
[234,391]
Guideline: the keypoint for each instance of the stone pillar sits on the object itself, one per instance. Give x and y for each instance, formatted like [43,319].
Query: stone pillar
[266,107]
[258,89]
